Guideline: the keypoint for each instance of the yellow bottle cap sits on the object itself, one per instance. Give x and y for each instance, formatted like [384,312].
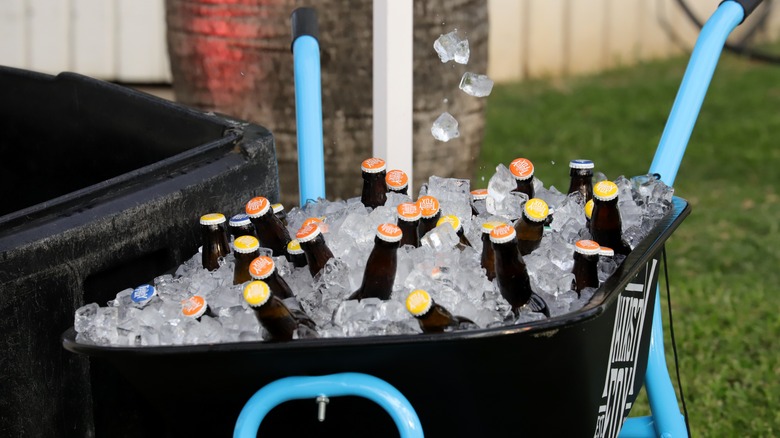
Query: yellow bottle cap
[257,206]
[589,209]
[373,165]
[429,206]
[408,211]
[194,306]
[389,232]
[451,219]
[212,219]
[277,207]
[605,191]
[488,226]
[294,247]
[256,293]
[261,267]
[536,210]
[419,302]
[502,234]
[308,232]
[396,179]
[246,244]
[587,247]
[522,168]
[479,194]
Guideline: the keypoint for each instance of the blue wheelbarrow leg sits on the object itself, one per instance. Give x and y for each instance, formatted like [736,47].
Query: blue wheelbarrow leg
[333,385]
[666,420]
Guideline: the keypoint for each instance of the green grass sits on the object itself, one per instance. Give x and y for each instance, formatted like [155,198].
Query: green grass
[725,257]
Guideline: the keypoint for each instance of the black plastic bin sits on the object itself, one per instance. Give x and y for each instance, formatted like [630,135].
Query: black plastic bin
[101,189]
[566,376]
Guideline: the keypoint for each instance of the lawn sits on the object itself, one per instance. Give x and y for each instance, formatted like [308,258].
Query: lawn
[724,259]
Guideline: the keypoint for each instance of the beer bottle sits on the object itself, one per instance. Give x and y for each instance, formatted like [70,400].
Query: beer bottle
[429,209]
[374,188]
[379,276]
[585,270]
[195,307]
[432,317]
[279,212]
[297,257]
[397,181]
[408,219]
[530,226]
[215,240]
[478,198]
[523,171]
[314,246]
[488,258]
[454,222]
[277,320]
[264,268]
[247,248]
[511,273]
[605,223]
[240,225]
[581,173]
[270,230]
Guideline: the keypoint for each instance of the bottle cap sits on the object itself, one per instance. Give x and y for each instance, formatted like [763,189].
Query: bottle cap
[308,232]
[606,251]
[587,247]
[581,164]
[373,165]
[502,234]
[536,210]
[389,232]
[277,207]
[212,219]
[143,293]
[605,191]
[522,168]
[429,206]
[257,207]
[261,267]
[589,209]
[294,247]
[396,179]
[488,226]
[194,306]
[408,211]
[239,220]
[450,219]
[246,244]
[479,194]
[419,302]
[256,293]
[316,220]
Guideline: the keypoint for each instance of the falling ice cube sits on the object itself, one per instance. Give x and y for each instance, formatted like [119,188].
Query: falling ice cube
[476,85]
[445,128]
[446,46]
[461,55]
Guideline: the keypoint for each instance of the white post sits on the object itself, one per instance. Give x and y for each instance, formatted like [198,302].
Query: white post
[393,38]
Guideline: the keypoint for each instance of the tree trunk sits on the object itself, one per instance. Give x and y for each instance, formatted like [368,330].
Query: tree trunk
[233,57]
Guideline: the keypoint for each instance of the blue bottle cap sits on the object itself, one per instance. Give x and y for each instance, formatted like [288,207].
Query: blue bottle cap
[143,293]
[239,219]
[581,164]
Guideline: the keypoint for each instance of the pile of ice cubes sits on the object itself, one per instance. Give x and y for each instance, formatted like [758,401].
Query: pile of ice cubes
[454,278]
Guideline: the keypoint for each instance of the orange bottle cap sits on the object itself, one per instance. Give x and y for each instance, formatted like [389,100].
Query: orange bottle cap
[261,267]
[502,234]
[605,191]
[429,206]
[419,302]
[308,232]
[257,206]
[607,251]
[396,179]
[389,232]
[479,194]
[246,244]
[194,306]
[316,220]
[451,219]
[488,226]
[256,293]
[294,247]
[212,219]
[408,211]
[589,209]
[522,168]
[587,247]
[536,210]
[373,165]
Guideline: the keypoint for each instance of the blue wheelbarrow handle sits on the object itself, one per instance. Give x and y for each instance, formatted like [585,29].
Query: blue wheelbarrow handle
[333,385]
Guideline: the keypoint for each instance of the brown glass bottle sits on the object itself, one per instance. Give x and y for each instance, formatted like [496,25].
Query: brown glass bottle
[263,268]
[478,198]
[215,240]
[374,191]
[277,320]
[408,220]
[397,181]
[246,249]
[429,209]
[297,257]
[511,273]
[581,173]
[270,230]
[530,226]
[279,212]
[605,223]
[240,225]
[379,276]
[523,171]
[488,258]
[585,270]
[432,317]
[314,246]
[454,221]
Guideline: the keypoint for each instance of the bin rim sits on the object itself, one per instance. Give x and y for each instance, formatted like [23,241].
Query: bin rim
[602,299]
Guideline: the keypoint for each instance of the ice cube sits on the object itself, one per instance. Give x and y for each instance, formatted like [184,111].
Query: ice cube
[450,47]
[476,85]
[445,128]
[85,317]
[441,238]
